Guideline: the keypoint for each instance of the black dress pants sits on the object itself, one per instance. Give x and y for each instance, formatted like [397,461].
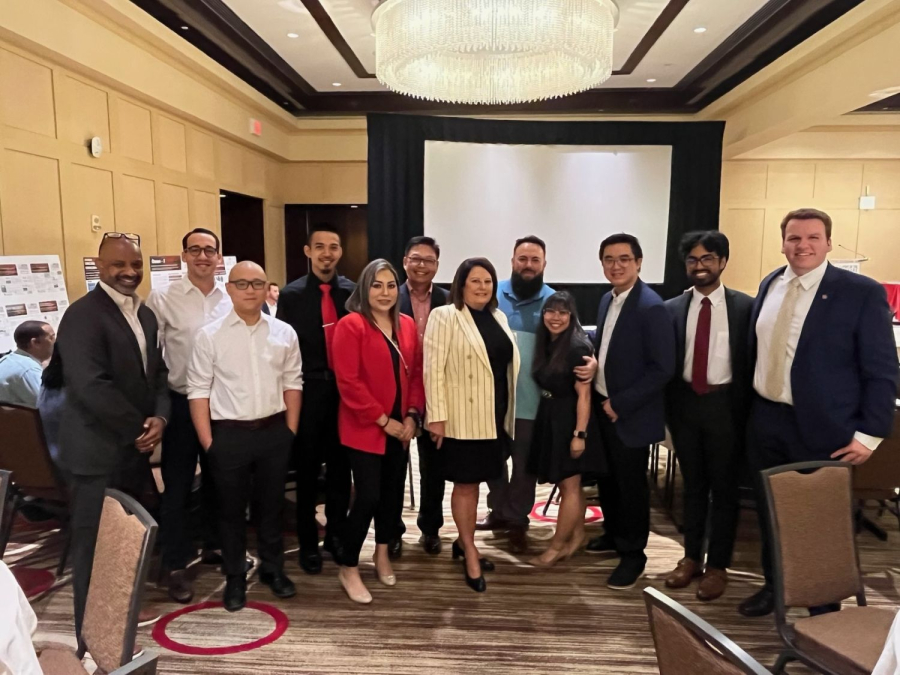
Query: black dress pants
[624,491]
[317,442]
[708,446]
[242,460]
[431,489]
[180,453]
[86,493]
[379,482]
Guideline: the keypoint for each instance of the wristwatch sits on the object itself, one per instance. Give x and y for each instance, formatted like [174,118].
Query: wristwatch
[580,434]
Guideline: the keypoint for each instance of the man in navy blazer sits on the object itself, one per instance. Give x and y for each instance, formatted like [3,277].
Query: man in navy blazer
[635,348]
[825,365]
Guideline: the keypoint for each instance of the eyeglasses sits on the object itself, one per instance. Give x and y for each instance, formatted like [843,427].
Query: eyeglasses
[561,313]
[422,262]
[704,260]
[622,260]
[208,251]
[123,235]
[244,284]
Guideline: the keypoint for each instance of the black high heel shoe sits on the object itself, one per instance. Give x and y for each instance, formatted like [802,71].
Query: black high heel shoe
[486,565]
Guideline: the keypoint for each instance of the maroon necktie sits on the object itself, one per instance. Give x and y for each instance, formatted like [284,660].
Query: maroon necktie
[701,349]
[329,319]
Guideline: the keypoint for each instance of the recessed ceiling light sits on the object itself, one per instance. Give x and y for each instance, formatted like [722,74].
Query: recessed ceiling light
[293,35]
[335,84]
[354,206]
[185,28]
[222,196]
[700,29]
[651,80]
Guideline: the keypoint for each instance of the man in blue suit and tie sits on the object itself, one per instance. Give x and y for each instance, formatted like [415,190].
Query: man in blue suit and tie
[825,369]
[635,348]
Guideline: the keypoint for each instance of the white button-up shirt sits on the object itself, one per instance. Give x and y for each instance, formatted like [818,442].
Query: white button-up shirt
[612,316]
[129,305]
[718,367]
[765,324]
[244,370]
[180,310]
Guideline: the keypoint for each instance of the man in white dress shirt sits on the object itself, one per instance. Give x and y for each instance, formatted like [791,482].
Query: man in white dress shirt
[194,301]
[244,386]
[825,366]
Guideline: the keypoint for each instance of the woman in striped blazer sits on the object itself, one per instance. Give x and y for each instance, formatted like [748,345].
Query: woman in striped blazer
[470,367]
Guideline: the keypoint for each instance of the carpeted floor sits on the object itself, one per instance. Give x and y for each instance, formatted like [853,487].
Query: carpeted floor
[561,620]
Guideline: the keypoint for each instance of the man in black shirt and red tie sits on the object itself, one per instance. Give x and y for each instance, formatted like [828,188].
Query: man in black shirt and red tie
[312,305]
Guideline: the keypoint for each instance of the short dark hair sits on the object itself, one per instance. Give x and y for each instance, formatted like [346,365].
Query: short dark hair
[712,240]
[423,241]
[322,227]
[462,275]
[623,238]
[807,214]
[27,331]
[273,283]
[199,230]
[530,239]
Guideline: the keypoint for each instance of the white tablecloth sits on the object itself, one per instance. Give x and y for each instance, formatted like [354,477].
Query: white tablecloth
[17,623]
[889,663]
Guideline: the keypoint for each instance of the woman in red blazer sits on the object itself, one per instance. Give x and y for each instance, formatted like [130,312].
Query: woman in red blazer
[379,378]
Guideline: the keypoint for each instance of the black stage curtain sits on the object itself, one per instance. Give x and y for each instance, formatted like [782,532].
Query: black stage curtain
[397,167]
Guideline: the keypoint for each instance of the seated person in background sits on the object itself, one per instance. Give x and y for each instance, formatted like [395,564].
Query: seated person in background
[20,371]
[50,403]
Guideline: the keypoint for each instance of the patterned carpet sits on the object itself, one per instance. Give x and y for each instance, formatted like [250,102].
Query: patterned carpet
[562,620]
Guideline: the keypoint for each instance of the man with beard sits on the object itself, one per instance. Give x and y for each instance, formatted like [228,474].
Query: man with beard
[706,409]
[312,305]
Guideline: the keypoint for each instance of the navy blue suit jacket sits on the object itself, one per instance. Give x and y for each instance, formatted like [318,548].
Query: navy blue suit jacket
[844,374]
[639,364]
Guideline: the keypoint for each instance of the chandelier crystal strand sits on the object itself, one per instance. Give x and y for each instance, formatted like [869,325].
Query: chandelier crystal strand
[493,51]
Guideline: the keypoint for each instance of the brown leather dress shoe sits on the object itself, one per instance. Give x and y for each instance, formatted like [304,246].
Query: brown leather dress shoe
[684,573]
[180,587]
[518,541]
[713,584]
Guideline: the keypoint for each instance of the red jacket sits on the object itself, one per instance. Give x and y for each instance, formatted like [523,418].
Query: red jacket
[364,371]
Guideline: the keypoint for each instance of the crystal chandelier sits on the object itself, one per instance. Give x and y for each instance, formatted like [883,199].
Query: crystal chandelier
[493,51]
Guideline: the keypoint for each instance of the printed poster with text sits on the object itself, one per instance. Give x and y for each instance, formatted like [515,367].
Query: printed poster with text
[32,288]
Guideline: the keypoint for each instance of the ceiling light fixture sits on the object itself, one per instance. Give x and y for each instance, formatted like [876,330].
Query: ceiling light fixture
[493,51]
[700,29]
[185,28]
[651,80]
[335,84]
[293,35]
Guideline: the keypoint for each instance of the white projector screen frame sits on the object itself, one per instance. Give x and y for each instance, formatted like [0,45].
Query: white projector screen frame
[480,197]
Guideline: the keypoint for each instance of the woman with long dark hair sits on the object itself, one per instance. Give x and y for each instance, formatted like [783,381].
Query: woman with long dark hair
[566,442]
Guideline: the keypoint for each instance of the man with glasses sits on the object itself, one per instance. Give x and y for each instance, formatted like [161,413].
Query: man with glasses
[312,305]
[183,307]
[117,401]
[244,387]
[635,347]
[706,408]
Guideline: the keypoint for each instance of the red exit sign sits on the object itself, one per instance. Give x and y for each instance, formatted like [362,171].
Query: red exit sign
[255,127]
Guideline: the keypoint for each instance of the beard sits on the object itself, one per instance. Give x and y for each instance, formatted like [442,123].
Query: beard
[526,288]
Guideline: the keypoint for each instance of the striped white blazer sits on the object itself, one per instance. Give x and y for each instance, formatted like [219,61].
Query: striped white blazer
[459,384]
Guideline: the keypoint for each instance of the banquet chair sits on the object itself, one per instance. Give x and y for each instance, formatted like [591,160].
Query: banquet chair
[878,479]
[816,563]
[686,644]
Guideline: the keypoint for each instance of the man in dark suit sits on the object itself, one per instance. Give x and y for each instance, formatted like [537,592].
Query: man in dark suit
[825,366]
[418,296]
[117,398]
[706,409]
[635,348]
[312,305]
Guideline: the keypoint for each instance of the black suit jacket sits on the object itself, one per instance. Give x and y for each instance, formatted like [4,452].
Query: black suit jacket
[739,307]
[439,298]
[108,394]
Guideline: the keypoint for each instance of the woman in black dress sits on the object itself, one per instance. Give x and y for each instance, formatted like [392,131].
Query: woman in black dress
[566,442]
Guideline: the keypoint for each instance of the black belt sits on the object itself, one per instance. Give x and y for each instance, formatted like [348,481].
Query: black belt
[262,423]
[323,375]
[710,388]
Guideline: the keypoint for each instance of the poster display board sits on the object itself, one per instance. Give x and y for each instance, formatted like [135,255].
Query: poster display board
[166,269]
[32,288]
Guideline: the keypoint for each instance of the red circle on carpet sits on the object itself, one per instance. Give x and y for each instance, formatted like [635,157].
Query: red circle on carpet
[159,631]
[536,513]
[33,581]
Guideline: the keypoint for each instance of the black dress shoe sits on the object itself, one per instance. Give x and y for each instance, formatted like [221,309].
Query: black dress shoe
[490,522]
[518,541]
[431,543]
[395,548]
[235,596]
[478,585]
[281,586]
[626,574]
[311,560]
[486,565]
[601,544]
[211,557]
[180,587]
[760,603]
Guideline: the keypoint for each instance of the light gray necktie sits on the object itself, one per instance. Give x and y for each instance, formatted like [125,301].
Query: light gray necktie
[774,382]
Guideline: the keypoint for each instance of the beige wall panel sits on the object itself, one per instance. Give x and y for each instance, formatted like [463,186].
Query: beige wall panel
[83,112]
[791,183]
[174,218]
[26,94]
[838,184]
[136,212]
[201,154]
[844,231]
[338,183]
[134,138]
[206,211]
[274,233]
[229,165]
[744,181]
[744,229]
[172,144]
[879,238]
[29,195]
[87,192]
[254,173]
[883,180]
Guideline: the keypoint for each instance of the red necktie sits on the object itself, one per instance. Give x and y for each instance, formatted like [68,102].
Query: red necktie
[701,348]
[329,319]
